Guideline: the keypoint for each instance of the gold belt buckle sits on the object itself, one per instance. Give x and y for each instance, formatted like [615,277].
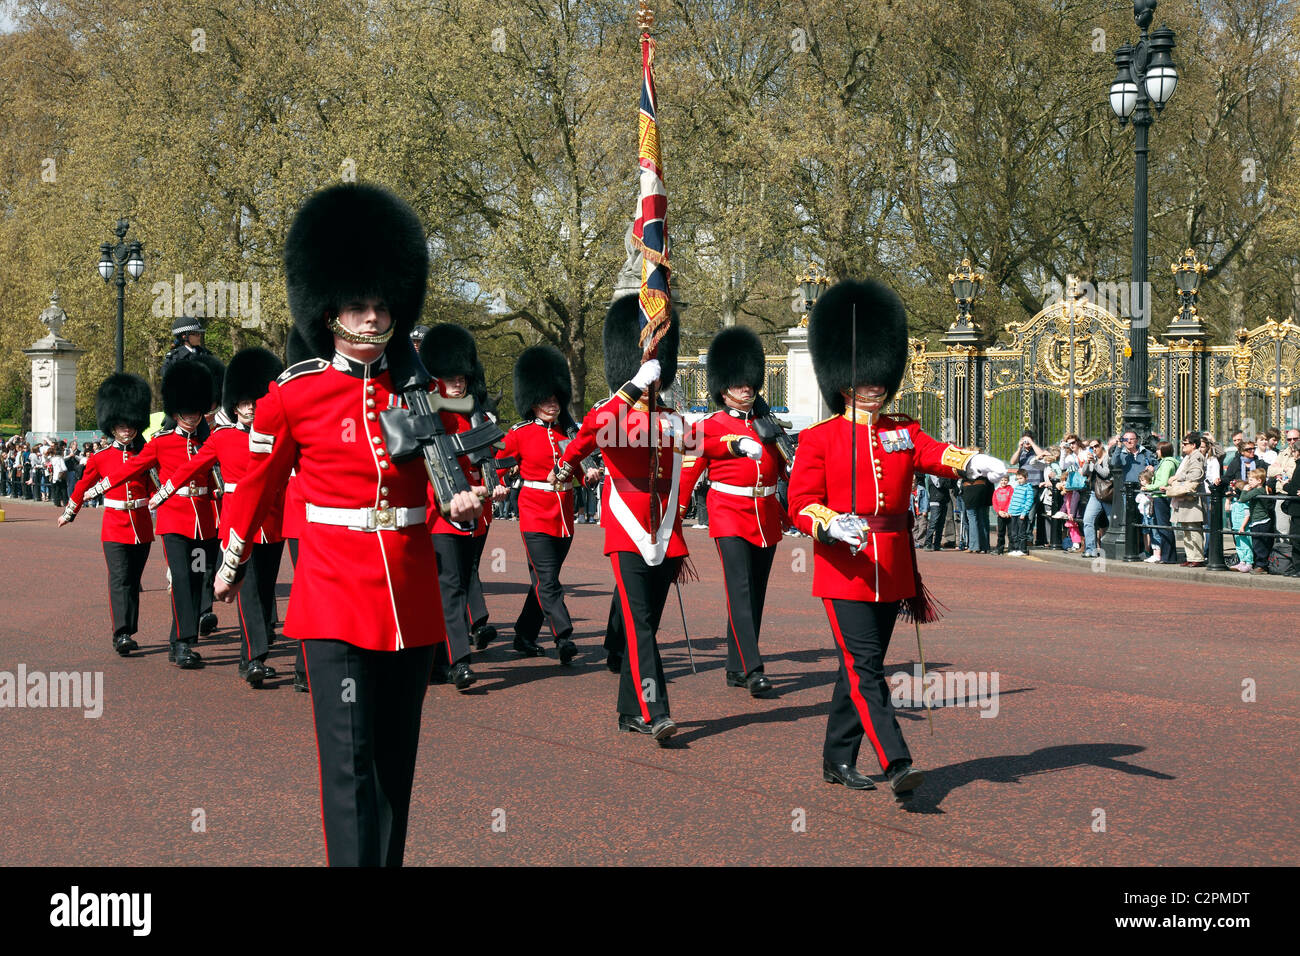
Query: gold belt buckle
[757,491]
[385,517]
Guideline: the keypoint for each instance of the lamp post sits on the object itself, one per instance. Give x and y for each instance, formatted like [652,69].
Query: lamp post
[811,286]
[122,258]
[966,285]
[1146,77]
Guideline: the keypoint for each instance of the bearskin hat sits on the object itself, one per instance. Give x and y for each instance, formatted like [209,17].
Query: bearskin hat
[541,371]
[249,374]
[623,347]
[217,370]
[448,349]
[187,389]
[123,399]
[881,338]
[350,242]
[735,358]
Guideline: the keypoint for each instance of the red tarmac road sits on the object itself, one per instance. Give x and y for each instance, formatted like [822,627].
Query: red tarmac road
[1121,735]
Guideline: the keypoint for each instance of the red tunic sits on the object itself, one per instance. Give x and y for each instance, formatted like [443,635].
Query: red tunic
[373,589]
[538,446]
[194,516]
[758,519]
[453,423]
[294,516]
[621,431]
[228,447]
[121,526]
[889,452]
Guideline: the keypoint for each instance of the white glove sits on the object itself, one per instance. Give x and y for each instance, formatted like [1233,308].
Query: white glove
[987,465]
[848,529]
[156,500]
[646,374]
[750,448]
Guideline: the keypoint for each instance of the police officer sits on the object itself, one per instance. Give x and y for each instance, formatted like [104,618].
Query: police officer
[864,562]
[356,266]
[250,373]
[122,410]
[546,513]
[745,519]
[643,531]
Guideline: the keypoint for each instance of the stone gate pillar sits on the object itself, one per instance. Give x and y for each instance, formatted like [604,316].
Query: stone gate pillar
[54,376]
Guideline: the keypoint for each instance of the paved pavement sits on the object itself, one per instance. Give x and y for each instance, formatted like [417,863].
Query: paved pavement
[1121,735]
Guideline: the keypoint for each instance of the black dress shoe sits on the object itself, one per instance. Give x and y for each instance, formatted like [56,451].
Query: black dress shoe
[483,636]
[124,644]
[207,624]
[300,682]
[614,662]
[270,671]
[756,682]
[903,777]
[529,647]
[255,673]
[846,774]
[187,659]
[634,724]
[568,650]
[462,676]
[663,728]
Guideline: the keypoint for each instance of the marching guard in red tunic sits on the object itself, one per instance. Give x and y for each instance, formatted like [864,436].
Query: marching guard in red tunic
[864,567]
[745,516]
[543,391]
[250,373]
[643,538]
[122,410]
[188,519]
[449,353]
[365,600]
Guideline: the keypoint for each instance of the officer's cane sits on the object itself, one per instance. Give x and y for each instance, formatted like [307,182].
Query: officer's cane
[682,606]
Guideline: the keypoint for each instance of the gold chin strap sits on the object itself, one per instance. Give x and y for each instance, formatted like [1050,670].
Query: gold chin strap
[359,338]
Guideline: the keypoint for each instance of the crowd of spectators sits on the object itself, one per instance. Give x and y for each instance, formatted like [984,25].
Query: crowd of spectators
[43,469]
[1064,497]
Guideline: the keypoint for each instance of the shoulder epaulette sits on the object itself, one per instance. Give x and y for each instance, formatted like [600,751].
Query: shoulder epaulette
[528,421]
[600,403]
[298,369]
[222,428]
[824,421]
[161,432]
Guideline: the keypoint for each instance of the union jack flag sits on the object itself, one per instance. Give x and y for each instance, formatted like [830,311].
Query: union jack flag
[650,230]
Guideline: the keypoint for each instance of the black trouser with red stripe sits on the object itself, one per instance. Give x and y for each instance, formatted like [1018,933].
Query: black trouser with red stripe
[641,590]
[546,554]
[861,700]
[188,560]
[366,706]
[257,614]
[125,567]
[478,612]
[745,569]
[455,553]
[615,639]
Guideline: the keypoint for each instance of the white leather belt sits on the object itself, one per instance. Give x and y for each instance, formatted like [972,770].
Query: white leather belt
[131,504]
[366,519]
[228,487]
[188,492]
[544,485]
[745,491]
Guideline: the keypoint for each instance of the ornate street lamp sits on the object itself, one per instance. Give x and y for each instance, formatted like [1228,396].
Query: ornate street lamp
[1146,77]
[966,285]
[811,285]
[123,258]
[1188,272]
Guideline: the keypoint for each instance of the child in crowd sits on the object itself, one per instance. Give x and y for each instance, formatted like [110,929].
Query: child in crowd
[1147,511]
[1001,506]
[1021,509]
[1238,515]
[1260,519]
